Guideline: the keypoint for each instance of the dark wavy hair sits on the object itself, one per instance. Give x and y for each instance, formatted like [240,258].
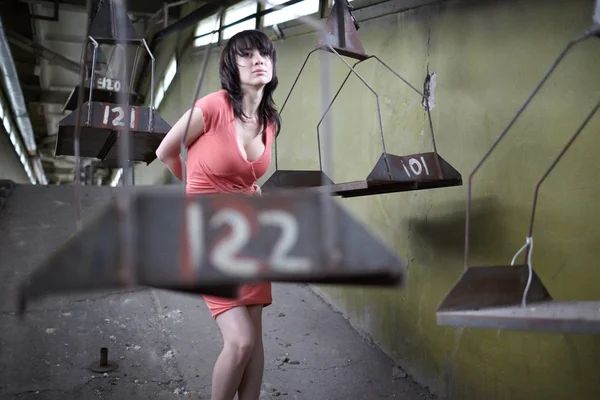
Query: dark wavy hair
[230,77]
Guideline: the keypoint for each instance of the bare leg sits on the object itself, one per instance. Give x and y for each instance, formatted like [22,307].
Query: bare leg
[252,378]
[238,343]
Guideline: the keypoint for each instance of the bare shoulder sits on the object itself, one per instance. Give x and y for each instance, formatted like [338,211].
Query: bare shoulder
[214,100]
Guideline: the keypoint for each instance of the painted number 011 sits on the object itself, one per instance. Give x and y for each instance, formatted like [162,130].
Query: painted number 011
[416,166]
[224,255]
[118,113]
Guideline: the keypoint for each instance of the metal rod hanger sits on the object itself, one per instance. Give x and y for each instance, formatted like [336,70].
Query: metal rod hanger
[513,296]
[593,31]
[391,173]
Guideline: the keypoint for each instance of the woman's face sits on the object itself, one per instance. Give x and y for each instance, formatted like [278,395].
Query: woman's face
[255,69]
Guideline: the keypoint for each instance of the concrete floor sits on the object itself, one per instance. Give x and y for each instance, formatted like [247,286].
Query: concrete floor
[165,344]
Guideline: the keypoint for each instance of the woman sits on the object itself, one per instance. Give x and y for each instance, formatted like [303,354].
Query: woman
[229,149]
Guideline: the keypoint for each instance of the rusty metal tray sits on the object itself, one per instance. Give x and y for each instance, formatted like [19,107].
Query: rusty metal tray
[164,239]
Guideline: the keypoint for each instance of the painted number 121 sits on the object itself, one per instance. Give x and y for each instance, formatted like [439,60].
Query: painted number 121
[115,115]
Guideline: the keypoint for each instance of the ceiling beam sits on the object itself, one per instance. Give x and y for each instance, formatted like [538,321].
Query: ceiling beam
[140,7]
[41,51]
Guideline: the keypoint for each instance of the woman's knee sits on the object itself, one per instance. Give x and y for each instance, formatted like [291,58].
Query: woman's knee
[239,335]
[241,347]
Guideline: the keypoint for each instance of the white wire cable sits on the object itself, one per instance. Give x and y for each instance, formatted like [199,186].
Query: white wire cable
[528,243]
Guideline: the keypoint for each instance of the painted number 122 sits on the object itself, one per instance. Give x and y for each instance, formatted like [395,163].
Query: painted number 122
[225,254]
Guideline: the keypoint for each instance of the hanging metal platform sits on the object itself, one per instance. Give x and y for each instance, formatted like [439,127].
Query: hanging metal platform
[100,127]
[105,90]
[412,172]
[553,316]
[110,110]
[391,173]
[492,297]
[513,296]
[289,179]
[99,124]
[211,244]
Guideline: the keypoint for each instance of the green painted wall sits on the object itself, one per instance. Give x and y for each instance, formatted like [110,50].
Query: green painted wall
[487,56]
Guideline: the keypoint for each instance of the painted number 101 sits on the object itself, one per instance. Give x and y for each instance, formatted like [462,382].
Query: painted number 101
[417,167]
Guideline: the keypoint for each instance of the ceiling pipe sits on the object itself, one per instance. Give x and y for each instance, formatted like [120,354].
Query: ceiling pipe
[10,78]
[41,51]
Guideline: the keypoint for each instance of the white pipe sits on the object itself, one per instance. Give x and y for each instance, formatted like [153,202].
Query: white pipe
[10,78]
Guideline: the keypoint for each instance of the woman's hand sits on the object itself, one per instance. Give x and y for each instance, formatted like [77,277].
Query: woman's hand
[258,190]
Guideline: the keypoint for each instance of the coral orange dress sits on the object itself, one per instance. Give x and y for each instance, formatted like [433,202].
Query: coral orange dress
[216,164]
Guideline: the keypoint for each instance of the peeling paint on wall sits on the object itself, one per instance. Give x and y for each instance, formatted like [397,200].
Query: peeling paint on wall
[429,89]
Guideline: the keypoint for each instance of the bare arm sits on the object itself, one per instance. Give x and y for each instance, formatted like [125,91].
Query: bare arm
[169,151]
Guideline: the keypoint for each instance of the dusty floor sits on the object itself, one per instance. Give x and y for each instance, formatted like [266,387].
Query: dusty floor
[165,345]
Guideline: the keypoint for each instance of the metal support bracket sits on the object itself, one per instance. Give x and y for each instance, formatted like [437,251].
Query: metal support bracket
[341,33]
[104,27]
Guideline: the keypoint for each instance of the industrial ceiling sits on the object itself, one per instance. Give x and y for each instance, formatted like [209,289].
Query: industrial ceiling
[42,44]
